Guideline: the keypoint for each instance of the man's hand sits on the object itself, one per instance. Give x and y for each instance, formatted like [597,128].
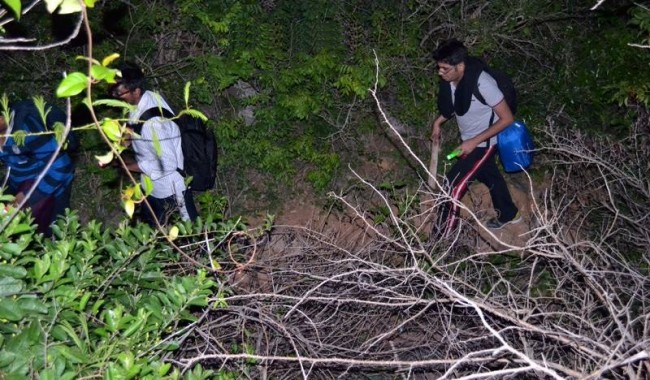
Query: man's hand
[435,133]
[435,128]
[468,146]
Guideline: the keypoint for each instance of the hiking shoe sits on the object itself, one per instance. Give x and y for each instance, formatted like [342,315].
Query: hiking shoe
[495,224]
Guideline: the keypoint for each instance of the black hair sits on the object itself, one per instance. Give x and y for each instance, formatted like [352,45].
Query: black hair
[451,52]
[132,76]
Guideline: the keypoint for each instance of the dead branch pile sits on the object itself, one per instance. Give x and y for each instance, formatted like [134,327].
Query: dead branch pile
[573,301]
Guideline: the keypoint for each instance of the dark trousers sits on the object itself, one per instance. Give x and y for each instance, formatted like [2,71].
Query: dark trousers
[164,208]
[45,208]
[479,165]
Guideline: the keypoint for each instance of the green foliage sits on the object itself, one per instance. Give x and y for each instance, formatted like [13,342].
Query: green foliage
[397,200]
[94,302]
[15,6]
[641,20]
[212,205]
[299,73]
[595,75]
[310,63]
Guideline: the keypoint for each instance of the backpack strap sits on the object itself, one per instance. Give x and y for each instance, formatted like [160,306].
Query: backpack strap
[477,93]
[149,114]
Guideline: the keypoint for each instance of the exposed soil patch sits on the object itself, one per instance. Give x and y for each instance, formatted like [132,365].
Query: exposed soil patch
[305,212]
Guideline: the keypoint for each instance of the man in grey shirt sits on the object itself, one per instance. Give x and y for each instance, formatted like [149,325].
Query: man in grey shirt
[479,125]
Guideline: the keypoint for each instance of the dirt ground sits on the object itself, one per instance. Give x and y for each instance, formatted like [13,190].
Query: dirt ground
[304,211]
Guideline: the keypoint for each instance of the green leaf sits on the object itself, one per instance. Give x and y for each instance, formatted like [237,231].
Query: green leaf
[84,301]
[114,372]
[108,59]
[65,325]
[129,207]
[96,306]
[15,6]
[10,286]
[112,129]
[59,128]
[113,318]
[195,113]
[41,266]
[156,144]
[170,346]
[12,249]
[69,6]
[173,233]
[20,229]
[9,310]
[148,185]
[72,85]
[112,103]
[164,368]
[6,358]
[187,93]
[102,73]
[32,305]
[105,159]
[126,359]
[74,355]
[8,270]
[136,193]
[48,374]
[70,375]
[52,5]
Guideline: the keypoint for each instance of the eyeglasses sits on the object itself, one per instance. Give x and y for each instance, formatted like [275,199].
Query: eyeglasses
[116,94]
[444,69]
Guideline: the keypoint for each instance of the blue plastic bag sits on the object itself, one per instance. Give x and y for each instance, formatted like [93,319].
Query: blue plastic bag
[515,147]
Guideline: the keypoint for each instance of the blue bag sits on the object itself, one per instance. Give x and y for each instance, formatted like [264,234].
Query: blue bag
[515,147]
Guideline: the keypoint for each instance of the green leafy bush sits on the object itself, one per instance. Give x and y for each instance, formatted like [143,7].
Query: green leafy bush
[93,302]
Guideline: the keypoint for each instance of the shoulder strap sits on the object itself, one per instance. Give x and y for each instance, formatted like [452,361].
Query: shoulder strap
[480,98]
[477,92]
[148,114]
[156,111]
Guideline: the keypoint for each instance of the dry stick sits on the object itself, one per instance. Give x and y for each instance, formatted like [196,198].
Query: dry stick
[433,164]
[428,199]
[407,151]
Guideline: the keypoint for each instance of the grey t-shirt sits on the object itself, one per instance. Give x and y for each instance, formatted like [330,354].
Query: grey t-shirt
[477,118]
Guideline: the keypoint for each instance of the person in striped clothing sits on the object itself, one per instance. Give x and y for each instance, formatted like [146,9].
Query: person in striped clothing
[479,125]
[27,161]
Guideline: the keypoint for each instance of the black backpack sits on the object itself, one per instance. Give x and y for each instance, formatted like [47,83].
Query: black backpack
[199,147]
[505,85]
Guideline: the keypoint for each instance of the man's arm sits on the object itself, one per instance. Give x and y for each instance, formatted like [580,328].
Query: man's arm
[132,166]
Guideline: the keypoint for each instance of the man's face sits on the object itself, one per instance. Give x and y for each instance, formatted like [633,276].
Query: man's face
[123,93]
[451,73]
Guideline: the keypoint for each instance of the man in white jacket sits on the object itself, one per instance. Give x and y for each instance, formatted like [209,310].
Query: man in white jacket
[157,147]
